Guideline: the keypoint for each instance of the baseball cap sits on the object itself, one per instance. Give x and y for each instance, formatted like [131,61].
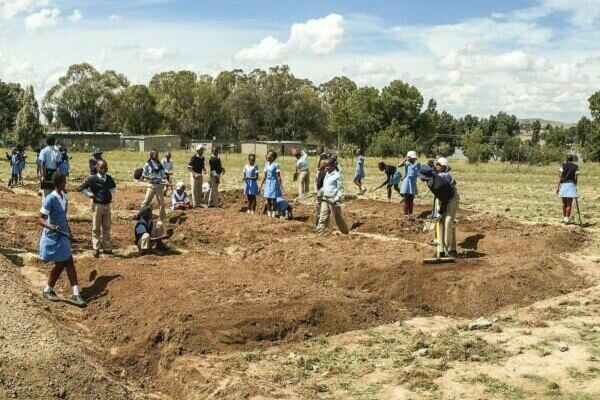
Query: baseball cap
[179,185]
[199,147]
[443,161]
[412,154]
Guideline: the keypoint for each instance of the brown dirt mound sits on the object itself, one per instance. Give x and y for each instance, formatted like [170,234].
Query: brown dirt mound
[243,282]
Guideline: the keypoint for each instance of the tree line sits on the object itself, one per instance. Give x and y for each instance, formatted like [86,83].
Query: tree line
[276,105]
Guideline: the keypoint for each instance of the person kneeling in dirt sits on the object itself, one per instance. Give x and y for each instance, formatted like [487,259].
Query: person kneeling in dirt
[180,199]
[149,234]
[284,209]
[443,187]
[331,195]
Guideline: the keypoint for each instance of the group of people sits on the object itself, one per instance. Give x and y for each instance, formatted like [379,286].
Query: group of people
[99,186]
[17,161]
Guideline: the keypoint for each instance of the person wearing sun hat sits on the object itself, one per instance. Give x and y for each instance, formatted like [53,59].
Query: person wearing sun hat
[408,188]
[179,198]
[197,168]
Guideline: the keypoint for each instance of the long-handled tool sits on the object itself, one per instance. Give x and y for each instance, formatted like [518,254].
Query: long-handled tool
[578,212]
[439,231]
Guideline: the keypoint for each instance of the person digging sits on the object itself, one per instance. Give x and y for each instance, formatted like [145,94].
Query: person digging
[442,185]
[149,235]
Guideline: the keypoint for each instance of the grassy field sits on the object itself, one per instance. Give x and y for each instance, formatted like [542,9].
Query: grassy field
[527,193]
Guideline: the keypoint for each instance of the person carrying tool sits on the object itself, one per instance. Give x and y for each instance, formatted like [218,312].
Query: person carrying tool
[393,177]
[154,173]
[55,243]
[149,234]
[96,156]
[567,186]
[197,170]
[100,188]
[443,187]
[408,189]
[331,195]
[302,174]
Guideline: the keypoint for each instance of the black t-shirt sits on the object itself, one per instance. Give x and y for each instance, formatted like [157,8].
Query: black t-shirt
[569,172]
[101,189]
[215,164]
[197,164]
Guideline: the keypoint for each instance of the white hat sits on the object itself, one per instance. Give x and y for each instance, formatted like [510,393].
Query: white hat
[443,161]
[179,185]
[199,147]
[412,154]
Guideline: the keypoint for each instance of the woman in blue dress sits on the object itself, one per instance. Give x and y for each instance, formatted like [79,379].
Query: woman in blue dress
[272,183]
[408,189]
[55,243]
[359,173]
[250,179]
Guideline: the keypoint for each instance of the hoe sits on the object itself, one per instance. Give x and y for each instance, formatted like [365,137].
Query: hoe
[439,233]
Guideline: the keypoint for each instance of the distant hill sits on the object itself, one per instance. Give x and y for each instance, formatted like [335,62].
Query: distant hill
[526,123]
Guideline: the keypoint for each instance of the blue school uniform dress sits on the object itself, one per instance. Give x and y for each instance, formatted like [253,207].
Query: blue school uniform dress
[14,164]
[409,183]
[250,185]
[272,187]
[359,173]
[65,167]
[54,246]
[282,206]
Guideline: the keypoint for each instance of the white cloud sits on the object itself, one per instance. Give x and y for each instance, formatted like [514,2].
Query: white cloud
[11,8]
[317,36]
[76,16]
[18,71]
[269,49]
[581,12]
[114,17]
[43,19]
[517,60]
[152,54]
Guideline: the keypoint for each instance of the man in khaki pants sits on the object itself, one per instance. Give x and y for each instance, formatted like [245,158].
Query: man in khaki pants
[302,174]
[100,188]
[216,170]
[154,173]
[331,194]
[197,168]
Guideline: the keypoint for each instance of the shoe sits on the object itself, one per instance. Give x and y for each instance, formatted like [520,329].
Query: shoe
[108,252]
[452,254]
[50,295]
[96,253]
[78,300]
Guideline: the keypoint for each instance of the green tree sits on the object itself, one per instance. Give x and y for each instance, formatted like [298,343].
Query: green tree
[85,99]
[337,89]
[305,114]
[10,104]
[137,108]
[474,146]
[28,130]
[243,109]
[394,140]
[401,102]
[594,102]
[536,129]
[584,130]
[206,111]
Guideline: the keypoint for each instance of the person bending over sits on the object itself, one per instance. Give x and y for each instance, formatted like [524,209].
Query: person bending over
[149,235]
[392,180]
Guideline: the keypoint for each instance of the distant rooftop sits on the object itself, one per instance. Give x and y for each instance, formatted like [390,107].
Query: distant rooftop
[72,133]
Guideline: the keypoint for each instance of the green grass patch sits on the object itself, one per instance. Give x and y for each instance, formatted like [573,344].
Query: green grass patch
[498,388]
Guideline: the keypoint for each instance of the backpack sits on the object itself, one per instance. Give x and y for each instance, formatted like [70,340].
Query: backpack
[137,175]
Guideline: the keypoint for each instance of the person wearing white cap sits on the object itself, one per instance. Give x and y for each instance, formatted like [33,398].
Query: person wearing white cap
[197,168]
[179,198]
[408,188]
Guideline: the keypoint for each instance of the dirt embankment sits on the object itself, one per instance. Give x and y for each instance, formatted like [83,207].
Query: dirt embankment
[239,282]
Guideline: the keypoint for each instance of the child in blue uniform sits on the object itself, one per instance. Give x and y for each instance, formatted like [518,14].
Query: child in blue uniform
[408,189]
[392,180]
[65,165]
[13,159]
[22,158]
[284,209]
[272,183]
[250,179]
[55,243]
[359,173]
[179,198]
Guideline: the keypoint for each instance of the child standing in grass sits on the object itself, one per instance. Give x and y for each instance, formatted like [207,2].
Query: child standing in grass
[408,190]
[22,162]
[55,243]
[167,163]
[567,186]
[250,178]
[393,177]
[359,174]
[13,160]
[272,183]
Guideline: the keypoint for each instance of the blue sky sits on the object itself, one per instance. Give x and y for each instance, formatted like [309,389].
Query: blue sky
[537,58]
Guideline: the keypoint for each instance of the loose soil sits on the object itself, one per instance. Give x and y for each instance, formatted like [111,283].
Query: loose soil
[238,282]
